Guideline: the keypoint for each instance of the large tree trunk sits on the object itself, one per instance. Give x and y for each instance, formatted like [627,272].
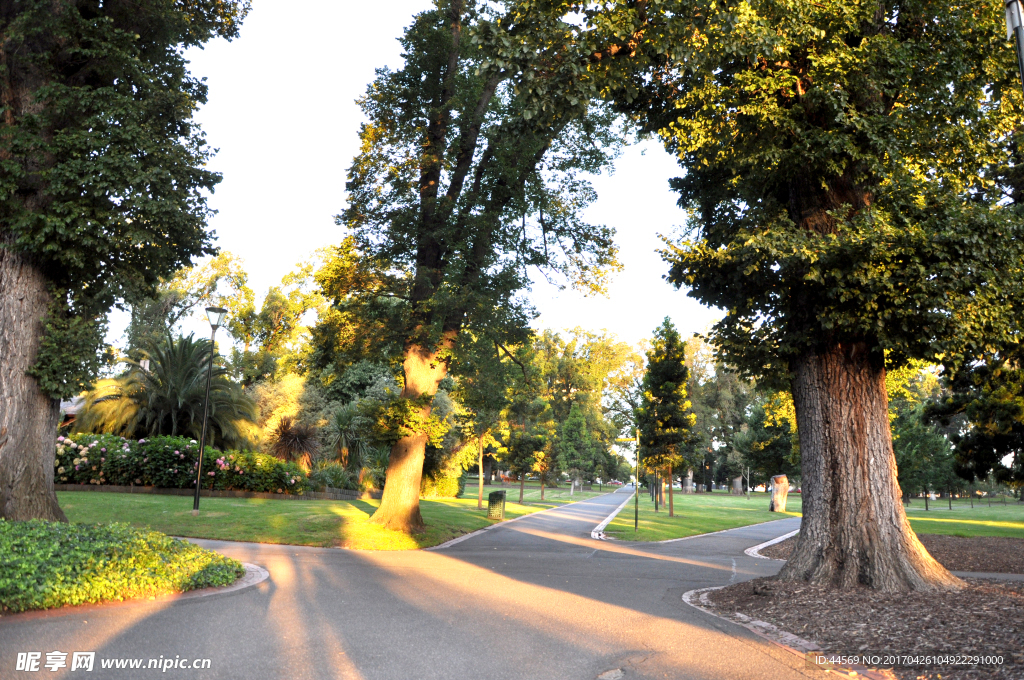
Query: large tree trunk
[28,417]
[780,492]
[400,504]
[854,529]
[488,468]
[671,506]
[688,482]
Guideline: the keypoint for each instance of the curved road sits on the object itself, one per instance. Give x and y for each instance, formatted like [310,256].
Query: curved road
[533,599]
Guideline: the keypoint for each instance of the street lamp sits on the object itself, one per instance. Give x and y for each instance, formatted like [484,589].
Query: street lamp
[1015,29]
[216,316]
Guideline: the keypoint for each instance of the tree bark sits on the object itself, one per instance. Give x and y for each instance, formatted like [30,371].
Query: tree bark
[688,482]
[780,492]
[522,486]
[400,503]
[488,468]
[671,507]
[854,530]
[737,486]
[28,417]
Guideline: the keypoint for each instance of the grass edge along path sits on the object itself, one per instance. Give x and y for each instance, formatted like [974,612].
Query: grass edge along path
[44,565]
[338,524]
[696,514]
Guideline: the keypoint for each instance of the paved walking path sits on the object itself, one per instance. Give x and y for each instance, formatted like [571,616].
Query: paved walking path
[535,599]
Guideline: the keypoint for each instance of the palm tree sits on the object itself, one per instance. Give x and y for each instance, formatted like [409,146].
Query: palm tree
[296,441]
[168,397]
[346,437]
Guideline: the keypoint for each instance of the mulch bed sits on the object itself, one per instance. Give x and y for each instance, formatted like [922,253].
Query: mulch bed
[979,553]
[985,618]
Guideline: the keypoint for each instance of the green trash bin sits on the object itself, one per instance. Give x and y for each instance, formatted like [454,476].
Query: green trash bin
[496,505]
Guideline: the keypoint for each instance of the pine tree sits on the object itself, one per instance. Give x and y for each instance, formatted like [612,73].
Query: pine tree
[664,416]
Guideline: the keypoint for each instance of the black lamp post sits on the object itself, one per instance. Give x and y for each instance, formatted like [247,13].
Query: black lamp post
[1015,29]
[216,316]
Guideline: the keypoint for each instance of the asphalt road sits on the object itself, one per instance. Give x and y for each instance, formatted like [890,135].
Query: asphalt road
[533,599]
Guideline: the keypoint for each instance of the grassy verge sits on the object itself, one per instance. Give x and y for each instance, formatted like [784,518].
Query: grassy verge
[704,513]
[50,564]
[696,514]
[531,494]
[319,523]
[962,520]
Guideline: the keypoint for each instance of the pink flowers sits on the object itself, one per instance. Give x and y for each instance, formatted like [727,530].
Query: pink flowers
[211,473]
[60,439]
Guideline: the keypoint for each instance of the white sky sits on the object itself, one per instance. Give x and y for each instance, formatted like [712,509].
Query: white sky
[282,113]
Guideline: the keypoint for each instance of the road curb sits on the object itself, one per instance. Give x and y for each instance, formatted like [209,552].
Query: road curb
[254,575]
[712,533]
[598,532]
[755,551]
[780,638]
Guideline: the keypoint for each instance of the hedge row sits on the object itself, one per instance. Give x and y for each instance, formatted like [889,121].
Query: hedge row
[51,564]
[170,463]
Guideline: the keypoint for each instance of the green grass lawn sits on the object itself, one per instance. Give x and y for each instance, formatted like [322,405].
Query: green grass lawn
[531,494]
[318,523]
[697,514]
[704,513]
[962,520]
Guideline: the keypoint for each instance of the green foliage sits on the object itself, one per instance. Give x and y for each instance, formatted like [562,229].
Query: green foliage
[767,444]
[346,434]
[846,173]
[331,474]
[169,398]
[441,486]
[461,184]
[664,416]
[924,457]
[102,170]
[398,417]
[170,463]
[989,396]
[575,449]
[69,358]
[296,442]
[220,282]
[53,564]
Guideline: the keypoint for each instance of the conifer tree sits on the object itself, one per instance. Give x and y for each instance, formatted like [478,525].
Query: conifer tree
[664,416]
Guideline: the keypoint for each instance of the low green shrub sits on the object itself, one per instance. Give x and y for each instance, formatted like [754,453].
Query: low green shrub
[439,486]
[331,474]
[170,462]
[51,564]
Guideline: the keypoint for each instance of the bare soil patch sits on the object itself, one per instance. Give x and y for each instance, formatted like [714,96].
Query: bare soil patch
[985,618]
[994,554]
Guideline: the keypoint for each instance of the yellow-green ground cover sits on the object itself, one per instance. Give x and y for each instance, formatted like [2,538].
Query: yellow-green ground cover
[294,522]
[696,514]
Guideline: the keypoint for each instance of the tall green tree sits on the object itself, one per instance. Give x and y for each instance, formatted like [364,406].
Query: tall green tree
[987,398]
[103,185]
[471,171]
[575,449]
[846,172]
[664,418]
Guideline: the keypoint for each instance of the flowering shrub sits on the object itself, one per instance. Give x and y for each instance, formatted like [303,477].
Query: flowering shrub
[170,462]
